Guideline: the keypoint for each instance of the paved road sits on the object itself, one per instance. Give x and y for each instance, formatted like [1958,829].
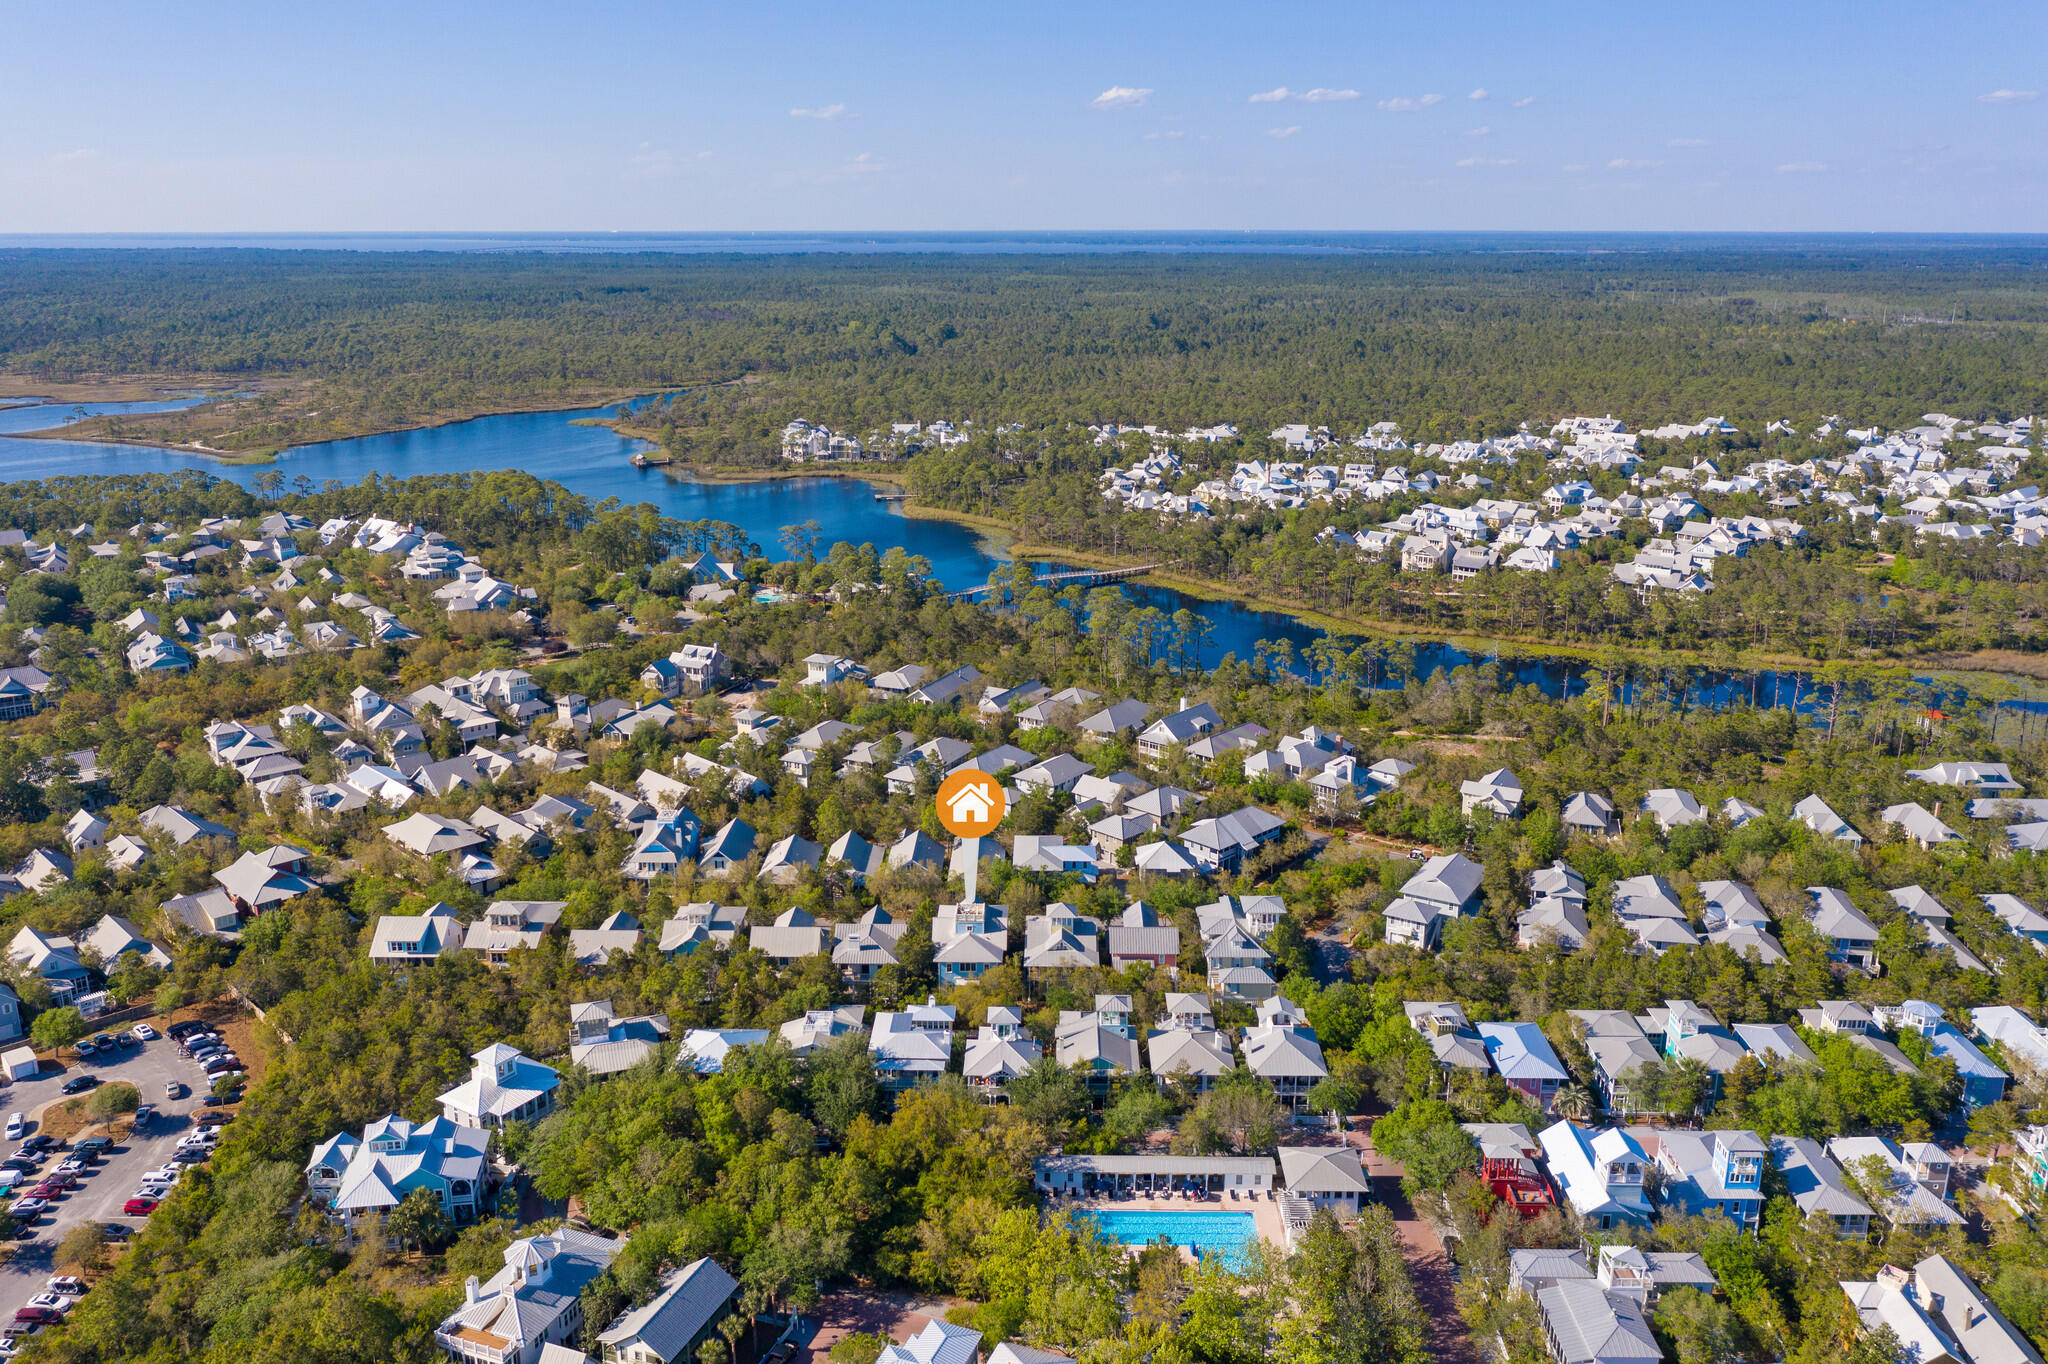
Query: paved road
[108,1185]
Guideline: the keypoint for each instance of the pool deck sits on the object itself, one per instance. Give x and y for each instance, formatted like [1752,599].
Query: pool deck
[1265,1213]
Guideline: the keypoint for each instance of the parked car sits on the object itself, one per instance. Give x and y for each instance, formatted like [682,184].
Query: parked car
[74,1165]
[126,1040]
[144,1116]
[193,1155]
[213,1118]
[95,1146]
[87,1049]
[17,1125]
[140,1207]
[29,1208]
[185,1029]
[142,1032]
[78,1084]
[68,1284]
[56,1302]
[37,1316]
[43,1141]
[169,1172]
[233,1096]
[24,1163]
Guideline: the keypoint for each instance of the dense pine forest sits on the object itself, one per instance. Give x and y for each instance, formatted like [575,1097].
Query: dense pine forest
[1450,338]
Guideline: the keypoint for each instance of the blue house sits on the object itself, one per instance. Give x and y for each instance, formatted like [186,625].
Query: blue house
[1983,1082]
[1711,1174]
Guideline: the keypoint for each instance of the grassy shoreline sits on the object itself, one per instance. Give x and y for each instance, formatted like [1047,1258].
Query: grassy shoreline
[1978,664]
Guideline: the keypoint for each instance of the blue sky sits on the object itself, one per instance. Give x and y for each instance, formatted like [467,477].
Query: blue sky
[364,116]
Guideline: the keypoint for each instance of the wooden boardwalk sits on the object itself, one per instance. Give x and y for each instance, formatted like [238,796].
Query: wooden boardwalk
[1092,577]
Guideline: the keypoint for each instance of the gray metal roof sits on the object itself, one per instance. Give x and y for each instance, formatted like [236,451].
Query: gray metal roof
[691,1299]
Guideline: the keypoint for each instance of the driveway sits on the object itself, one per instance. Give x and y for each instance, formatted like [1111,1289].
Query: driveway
[103,1189]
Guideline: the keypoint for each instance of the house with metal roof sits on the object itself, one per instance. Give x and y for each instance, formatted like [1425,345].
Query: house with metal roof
[1000,1052]
[1816,1185]
[1140,937]
[1450,1034]
[504,1085]
[1282,1049]
[793,936]
[533,1302]
[1851,938]
[1523,1057]
[819,1027]
[911,1046]
[939,1342]
[602,1043]
[354,1178]
[1817,815]
[1591,814]
[1499,793]
[673,1324]
[1915,1179]
[399,939]
[1601,1171]
[1710,1174]
[1326,1176]
[1585,1325]
[1672,808]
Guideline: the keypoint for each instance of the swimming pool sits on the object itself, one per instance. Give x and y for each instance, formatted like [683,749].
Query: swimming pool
[1223,1234]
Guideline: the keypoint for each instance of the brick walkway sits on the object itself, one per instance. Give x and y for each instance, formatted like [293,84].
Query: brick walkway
[1428,1264]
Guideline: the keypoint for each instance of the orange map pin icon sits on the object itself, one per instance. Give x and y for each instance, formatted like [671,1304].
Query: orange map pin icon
[971,804]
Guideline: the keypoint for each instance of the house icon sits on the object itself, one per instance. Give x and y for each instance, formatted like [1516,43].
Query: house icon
[970,804]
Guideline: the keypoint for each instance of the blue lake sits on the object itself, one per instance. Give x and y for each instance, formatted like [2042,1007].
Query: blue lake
[596,462]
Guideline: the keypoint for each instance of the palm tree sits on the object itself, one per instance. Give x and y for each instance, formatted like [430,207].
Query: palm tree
[1573,1101]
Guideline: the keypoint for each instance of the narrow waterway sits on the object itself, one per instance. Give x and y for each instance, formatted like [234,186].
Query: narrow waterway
[595,462]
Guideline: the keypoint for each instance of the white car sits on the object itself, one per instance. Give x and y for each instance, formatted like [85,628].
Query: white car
[168,1173]
[68,1284]
[17,1126]
[143,1032]
[55,1302]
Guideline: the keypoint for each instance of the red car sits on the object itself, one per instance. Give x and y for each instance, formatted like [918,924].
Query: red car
[38,1316]
[139,1207]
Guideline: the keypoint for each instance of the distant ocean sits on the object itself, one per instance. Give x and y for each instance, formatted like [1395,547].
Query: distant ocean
[1027,243]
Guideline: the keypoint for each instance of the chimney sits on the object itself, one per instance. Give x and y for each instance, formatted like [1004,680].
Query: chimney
[469,1287]
[1183,703]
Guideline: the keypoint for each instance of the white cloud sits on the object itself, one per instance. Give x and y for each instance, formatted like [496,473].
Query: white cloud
[1322,94]
[1481,131]
[1289,131]
[1575,168]
[1171,134]
[828,112]
[650,162]
[1802,167]
[1122,97]
[76,154]
[1487,161]
[2009,97]
[1525,101]
[1688,142]
[1625,163]
[1480,93]
[1402,104]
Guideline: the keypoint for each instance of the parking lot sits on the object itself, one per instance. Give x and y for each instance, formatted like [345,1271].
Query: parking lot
[104,1188]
